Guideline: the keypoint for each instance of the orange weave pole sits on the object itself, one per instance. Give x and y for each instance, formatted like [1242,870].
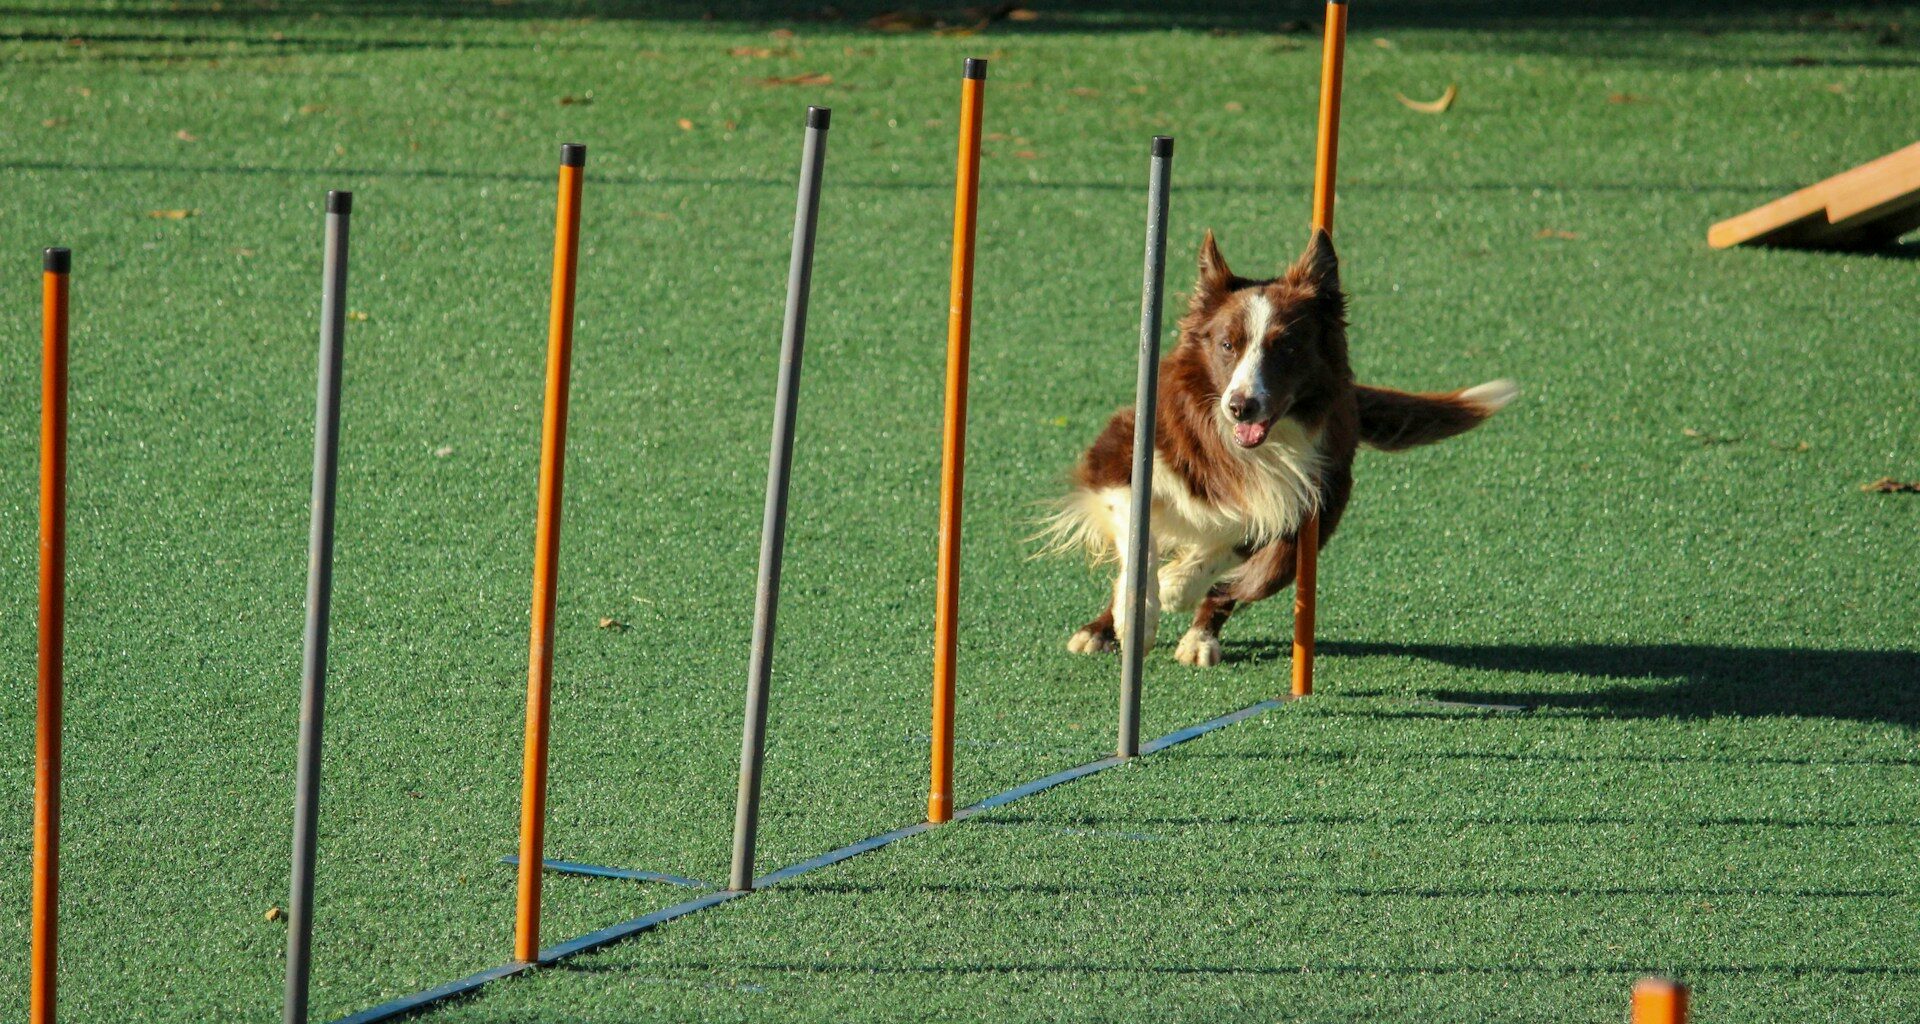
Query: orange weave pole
[1659,1001]
[953,442]
[53,629]
[1333,56]
[546,555]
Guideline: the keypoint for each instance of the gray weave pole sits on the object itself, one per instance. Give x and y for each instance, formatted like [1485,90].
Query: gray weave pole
[1133,650]
[313,669]
[773,525]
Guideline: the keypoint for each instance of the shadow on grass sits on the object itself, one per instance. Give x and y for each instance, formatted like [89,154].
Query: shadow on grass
[1537,968]
[1075,15]
[1670,680]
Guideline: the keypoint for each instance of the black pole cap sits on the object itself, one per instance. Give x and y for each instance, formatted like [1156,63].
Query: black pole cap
[817,117]
[339,202]
[977,68]
[573,154]
[59,260]
[1163,146]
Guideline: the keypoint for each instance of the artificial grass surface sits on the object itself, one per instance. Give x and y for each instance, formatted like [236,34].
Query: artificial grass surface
[1717,627]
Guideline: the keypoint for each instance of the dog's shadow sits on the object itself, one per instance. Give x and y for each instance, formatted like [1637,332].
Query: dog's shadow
[1669,680]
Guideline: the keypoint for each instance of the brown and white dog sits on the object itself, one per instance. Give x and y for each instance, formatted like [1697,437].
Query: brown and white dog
[1258,422]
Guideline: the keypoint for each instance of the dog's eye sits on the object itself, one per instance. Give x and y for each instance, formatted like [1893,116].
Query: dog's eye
[1226,344]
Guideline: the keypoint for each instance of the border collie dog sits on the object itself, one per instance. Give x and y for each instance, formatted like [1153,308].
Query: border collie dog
[1258,422]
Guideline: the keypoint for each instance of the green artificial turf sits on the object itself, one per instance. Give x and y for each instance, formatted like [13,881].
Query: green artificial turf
[1662,545]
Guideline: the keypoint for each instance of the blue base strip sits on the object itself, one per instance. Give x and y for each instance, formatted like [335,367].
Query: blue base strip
[568,867]
[606,936]
[408,1005]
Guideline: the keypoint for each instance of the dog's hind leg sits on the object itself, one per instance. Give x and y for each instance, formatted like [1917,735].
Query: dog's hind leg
[1095,636]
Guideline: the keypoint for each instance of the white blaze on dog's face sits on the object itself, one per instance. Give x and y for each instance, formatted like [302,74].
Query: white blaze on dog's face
[1247,400]
[1266,341]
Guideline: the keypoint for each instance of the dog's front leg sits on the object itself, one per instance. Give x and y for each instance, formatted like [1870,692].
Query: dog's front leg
[1123,589]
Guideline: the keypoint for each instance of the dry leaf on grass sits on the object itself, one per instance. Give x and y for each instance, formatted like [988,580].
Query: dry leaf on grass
[312,108]
[1556,233]
[359,316]
[755,52]
[1706,438]
[685,125]
[1234,106]
[1023,14]
[1026,154]
[1384,44]
[1439,106]
[1835,88]
[608,622]
[274,914]
[1888,485]
[1081,90]
[577,101]
[961,30]
[900,21]
[1622,98]
[186,136]
[172,214]
[443,451]
[810,78]
[52,122]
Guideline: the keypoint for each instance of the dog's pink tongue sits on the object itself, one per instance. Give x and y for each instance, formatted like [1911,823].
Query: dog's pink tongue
[1250,434]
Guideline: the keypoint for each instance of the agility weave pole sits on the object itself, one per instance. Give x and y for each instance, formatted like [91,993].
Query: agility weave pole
[953,441]
[1659,1001]
[407,1006]
[773,523]
[546,556]
[50,655]
[1146,404]
[1325,156]
[313,668]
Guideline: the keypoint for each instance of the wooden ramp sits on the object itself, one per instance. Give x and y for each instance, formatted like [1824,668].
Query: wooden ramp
[1873,204]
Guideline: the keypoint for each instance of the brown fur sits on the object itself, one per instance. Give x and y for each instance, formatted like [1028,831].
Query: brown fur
[1307,381]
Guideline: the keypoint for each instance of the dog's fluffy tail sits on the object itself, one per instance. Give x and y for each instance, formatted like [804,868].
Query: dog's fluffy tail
[1394,420]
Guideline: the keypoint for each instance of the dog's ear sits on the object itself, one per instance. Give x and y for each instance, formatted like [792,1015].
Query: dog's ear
[1317,268]
[1216,280]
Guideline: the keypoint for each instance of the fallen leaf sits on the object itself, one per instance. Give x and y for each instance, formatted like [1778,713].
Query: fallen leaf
[1384,44]
[608,622]
[781,33]
[755,52]
[576,101]
[998,136]
[359,316]
[1235,106]
[275,914]
[1706,438]
[1439,106]
[951,31]
[52,122]
[810,78]
[186,136]
[244,251]
[1888,485]
[1081,90]
[313,108]
[171,214]
[1026,154]
[83,91]
[443,451]
[685,125]
[899,21]
[1836,88]
[1056,421]
[1023,14]
[1625,97]
[1556,233]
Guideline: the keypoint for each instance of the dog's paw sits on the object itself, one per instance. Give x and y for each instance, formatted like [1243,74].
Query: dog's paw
[1198,648]
[1088,641]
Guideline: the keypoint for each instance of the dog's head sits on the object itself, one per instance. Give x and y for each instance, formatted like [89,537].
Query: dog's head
[1272,348]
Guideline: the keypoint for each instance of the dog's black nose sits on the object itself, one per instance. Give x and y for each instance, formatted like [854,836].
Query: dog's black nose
[1243,408]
